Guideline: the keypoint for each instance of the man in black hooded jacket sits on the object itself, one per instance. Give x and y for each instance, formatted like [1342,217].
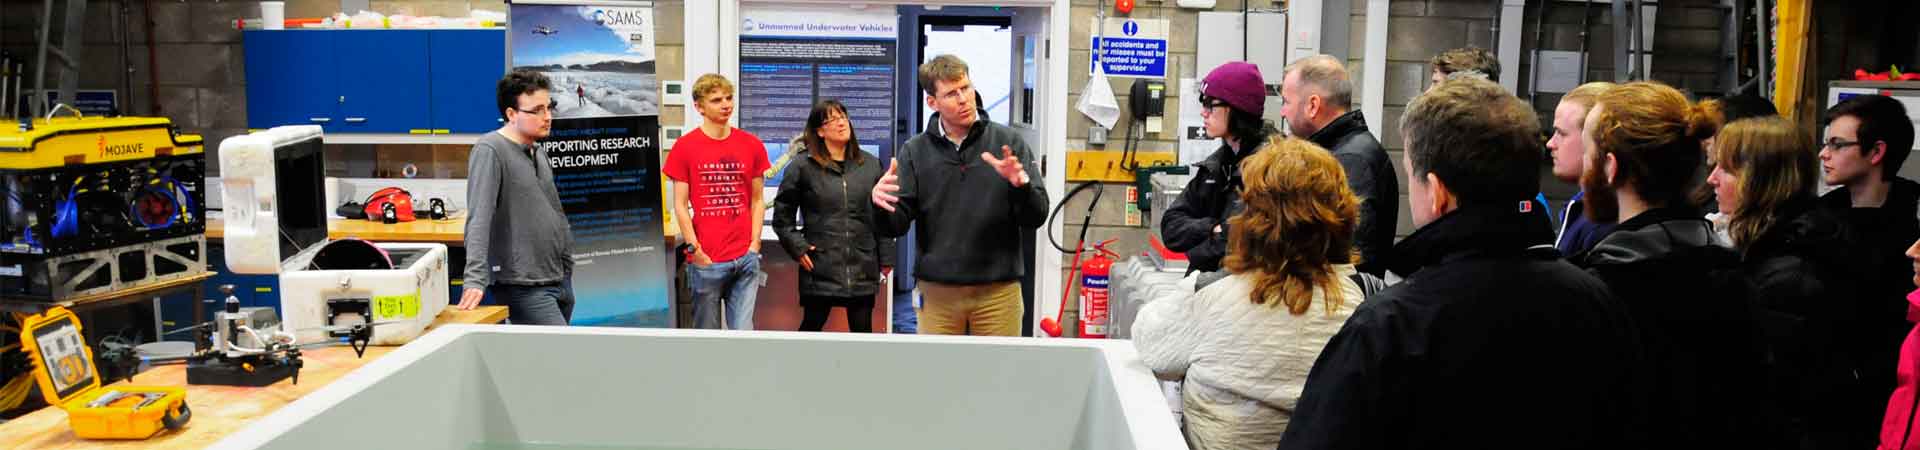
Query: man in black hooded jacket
[1492,341]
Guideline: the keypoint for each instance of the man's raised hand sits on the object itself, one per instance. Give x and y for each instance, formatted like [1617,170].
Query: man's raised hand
[890,183]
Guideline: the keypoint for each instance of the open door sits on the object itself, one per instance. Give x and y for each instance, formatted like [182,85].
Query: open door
[1034,118]
[1039,103]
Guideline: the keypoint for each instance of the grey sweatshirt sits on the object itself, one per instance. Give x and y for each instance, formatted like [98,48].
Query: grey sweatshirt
[512,202]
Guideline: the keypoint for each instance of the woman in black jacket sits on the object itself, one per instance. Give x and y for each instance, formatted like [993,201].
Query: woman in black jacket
[1233,98]
[842,260]
[1800,270]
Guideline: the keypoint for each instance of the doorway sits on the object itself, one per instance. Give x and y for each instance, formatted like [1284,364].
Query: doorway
[985,43]
[1032,25]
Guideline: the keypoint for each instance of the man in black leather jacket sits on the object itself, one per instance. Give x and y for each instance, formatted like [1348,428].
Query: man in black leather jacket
[1317,102]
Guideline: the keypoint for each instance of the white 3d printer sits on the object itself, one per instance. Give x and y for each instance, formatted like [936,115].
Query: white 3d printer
[276,223]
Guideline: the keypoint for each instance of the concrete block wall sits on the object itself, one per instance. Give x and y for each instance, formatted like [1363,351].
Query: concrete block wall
[202,85]
[1109,218]
[1686,55]
[1686,48]
[1416,31]
[201,77]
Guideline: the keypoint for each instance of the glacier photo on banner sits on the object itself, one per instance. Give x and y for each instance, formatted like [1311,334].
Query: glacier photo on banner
[604,150]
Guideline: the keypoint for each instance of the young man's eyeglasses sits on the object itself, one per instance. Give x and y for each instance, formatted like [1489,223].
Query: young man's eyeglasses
[540,110]
[1837,144]
[1207,101]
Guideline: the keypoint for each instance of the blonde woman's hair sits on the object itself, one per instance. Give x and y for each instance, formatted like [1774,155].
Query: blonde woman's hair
[1299,221]
[1775,166]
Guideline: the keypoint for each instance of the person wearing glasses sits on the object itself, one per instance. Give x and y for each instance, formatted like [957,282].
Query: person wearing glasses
[717,174]
[519,246]
[1317,100]
[1232,98]
[1868,138]
[974,187]
[843,259]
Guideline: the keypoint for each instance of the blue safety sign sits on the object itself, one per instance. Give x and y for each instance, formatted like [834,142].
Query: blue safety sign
[1132,57]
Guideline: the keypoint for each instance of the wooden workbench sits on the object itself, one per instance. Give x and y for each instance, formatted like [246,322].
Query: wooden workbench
[448,231]
[218,410]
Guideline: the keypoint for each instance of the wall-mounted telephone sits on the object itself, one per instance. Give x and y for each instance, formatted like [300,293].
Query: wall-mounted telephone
[1148,99]
[1148,103]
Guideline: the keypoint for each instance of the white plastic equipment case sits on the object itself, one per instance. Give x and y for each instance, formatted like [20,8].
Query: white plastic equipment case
[271,184]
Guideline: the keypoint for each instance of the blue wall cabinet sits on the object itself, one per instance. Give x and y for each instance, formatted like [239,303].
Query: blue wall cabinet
[383,81]
[290,79]
[462,81]
[375,81]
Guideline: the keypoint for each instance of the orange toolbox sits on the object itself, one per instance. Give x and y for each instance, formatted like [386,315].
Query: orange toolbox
[63,366]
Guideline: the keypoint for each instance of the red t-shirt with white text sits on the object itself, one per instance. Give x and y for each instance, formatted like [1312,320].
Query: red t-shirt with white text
[720,174]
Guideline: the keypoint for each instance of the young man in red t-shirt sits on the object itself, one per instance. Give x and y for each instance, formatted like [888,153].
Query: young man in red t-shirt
[717,175]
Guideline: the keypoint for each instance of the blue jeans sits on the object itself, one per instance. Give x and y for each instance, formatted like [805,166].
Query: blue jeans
[536,305]
[905,320]
[738,281]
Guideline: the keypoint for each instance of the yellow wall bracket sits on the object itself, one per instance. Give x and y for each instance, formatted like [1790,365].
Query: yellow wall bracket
[1102,165]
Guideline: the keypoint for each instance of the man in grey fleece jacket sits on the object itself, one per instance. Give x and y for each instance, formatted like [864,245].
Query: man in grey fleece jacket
[967,182]
[519,246]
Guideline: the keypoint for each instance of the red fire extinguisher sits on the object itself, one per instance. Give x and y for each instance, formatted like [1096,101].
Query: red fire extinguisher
[1052,325]
[1093,292]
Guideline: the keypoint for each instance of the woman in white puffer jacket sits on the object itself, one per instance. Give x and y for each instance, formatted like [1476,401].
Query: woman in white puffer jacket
[1244,344]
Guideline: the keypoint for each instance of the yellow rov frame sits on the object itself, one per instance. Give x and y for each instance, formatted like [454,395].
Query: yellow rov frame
[48,267]
[62,141]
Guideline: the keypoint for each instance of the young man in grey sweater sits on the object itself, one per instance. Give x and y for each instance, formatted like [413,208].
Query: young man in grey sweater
[519,246]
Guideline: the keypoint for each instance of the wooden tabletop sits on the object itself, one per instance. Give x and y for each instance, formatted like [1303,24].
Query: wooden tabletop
[217,410]
[448,231]
[479,314]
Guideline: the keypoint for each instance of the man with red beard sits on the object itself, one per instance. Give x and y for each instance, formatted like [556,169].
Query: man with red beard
[1661,261]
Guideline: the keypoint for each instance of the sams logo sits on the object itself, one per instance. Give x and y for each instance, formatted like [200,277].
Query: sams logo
[619,18]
